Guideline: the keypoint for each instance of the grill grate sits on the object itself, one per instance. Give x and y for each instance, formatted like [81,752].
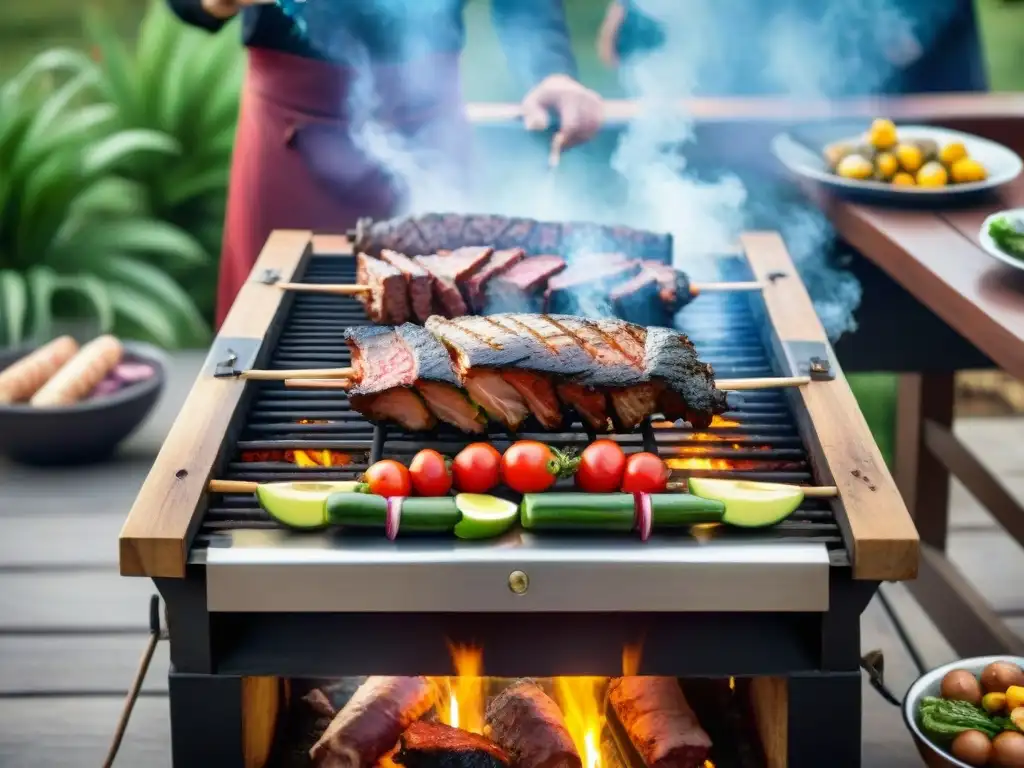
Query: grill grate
[756,440]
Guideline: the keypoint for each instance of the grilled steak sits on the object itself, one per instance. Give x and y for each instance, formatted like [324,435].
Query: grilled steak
[689,391]
[387,300]
[417,280]
[371,722]
[496,264]
[528,724]
[519,289]
[435,745]
[588,281]
[436,231]
[659,722]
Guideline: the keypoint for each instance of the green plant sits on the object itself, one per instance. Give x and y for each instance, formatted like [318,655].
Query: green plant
[76,236]
[184,83]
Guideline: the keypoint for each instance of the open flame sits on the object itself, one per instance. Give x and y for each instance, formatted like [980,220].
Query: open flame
[462,697]
[582,702]
[302,457]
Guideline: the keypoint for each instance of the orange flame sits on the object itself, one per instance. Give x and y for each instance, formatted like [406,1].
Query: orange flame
[631,655]
[461,703]
[581,701]
[721,423]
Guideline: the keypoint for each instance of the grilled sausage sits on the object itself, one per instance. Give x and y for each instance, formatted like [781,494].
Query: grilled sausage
[23,379]
[80,375]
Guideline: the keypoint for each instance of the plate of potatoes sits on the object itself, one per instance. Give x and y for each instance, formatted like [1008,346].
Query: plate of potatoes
[907,163]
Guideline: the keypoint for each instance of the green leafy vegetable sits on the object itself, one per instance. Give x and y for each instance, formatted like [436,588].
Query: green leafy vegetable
[942,719]
[1008,235]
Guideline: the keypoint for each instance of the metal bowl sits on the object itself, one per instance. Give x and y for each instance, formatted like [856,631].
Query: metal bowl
[928,685]
[85,432]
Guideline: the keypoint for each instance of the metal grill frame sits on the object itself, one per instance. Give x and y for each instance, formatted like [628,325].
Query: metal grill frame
[219,659]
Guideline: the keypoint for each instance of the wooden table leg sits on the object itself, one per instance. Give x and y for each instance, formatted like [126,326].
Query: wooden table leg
[921,478]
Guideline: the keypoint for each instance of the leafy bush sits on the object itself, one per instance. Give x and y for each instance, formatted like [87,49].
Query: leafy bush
[76,234]
[184,83]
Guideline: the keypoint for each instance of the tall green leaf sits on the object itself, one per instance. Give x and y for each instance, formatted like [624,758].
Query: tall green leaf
[109,153]
[139,310]
[13,305]
[41,282]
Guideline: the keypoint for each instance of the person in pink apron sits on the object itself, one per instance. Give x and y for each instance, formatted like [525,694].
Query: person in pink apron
[301,159]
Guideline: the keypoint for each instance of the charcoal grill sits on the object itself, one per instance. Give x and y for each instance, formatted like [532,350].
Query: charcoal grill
[249,603]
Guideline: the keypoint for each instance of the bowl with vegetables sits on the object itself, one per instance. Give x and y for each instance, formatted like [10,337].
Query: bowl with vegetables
[969,713]
[909,164]
[68,403]
[1002,236]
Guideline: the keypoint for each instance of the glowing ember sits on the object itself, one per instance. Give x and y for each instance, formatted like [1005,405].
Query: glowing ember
[703,463]
[722,423]
[302,458]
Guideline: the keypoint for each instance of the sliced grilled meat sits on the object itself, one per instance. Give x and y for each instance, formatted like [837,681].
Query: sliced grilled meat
[417,280]
[437,382]
[371,722]
[435,745]
[387,301]
[521,288]
[528,724]
[659,722]
[396,366]
[590,404]
[587,282]
[539,394]
[497,263]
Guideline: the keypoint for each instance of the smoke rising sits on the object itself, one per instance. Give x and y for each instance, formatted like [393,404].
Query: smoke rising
[711,47]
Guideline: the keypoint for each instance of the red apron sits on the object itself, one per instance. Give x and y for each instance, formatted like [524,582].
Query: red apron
[300,159]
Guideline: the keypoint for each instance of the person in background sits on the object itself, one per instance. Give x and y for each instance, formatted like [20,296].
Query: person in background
[936,49]
[301,159]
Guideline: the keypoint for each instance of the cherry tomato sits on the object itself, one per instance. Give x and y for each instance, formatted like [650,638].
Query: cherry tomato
[645,473]
[388,478]
[602,465]
[531,467]
[430,474]
[475,468]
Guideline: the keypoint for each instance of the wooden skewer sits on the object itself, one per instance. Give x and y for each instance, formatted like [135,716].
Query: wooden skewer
[767,382]
[334,375]
[555,155]
[341,381]
[356,289]
[249,486]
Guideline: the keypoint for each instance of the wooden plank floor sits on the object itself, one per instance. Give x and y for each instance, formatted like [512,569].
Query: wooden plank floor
[72,631]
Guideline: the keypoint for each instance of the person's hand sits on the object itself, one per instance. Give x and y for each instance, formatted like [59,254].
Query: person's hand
[579,109]
[225,9]
[608,34]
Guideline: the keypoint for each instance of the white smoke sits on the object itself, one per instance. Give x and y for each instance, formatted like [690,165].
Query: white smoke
[812,57]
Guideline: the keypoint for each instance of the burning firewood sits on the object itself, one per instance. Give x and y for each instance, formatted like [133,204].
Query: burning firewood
[370,723]
[529,725]
[659,722]
[435,745]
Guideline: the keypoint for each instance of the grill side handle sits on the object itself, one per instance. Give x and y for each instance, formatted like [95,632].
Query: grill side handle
[158,532]
[878,530]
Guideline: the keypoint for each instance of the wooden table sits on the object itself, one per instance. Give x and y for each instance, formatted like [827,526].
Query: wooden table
[936,257]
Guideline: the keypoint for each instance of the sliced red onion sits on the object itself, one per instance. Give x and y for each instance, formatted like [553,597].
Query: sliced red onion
[394,517]
[132,373]
[643,514]
[106,387]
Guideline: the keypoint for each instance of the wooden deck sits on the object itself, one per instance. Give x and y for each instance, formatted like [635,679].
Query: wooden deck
[72,631]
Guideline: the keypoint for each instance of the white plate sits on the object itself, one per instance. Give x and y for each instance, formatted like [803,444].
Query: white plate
[1003,166]
[989,244]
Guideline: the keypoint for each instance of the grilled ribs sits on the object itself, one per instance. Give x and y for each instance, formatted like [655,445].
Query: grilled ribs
[387,301]
[435,745]
[418,283]
[513,365]
[435,232]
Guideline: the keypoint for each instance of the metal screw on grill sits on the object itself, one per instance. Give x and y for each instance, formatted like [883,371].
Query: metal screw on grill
[518,582]
[270,276]
[819,368]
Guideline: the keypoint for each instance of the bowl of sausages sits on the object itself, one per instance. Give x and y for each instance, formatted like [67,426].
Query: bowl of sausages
[63,403]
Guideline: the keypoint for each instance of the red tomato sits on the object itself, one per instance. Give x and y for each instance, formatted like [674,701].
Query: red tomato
[388,478]
[430,475]
[645,473]
[602,464]
[475,468]
[531,467]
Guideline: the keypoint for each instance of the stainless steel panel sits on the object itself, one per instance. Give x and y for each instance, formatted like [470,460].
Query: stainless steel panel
[271,571]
